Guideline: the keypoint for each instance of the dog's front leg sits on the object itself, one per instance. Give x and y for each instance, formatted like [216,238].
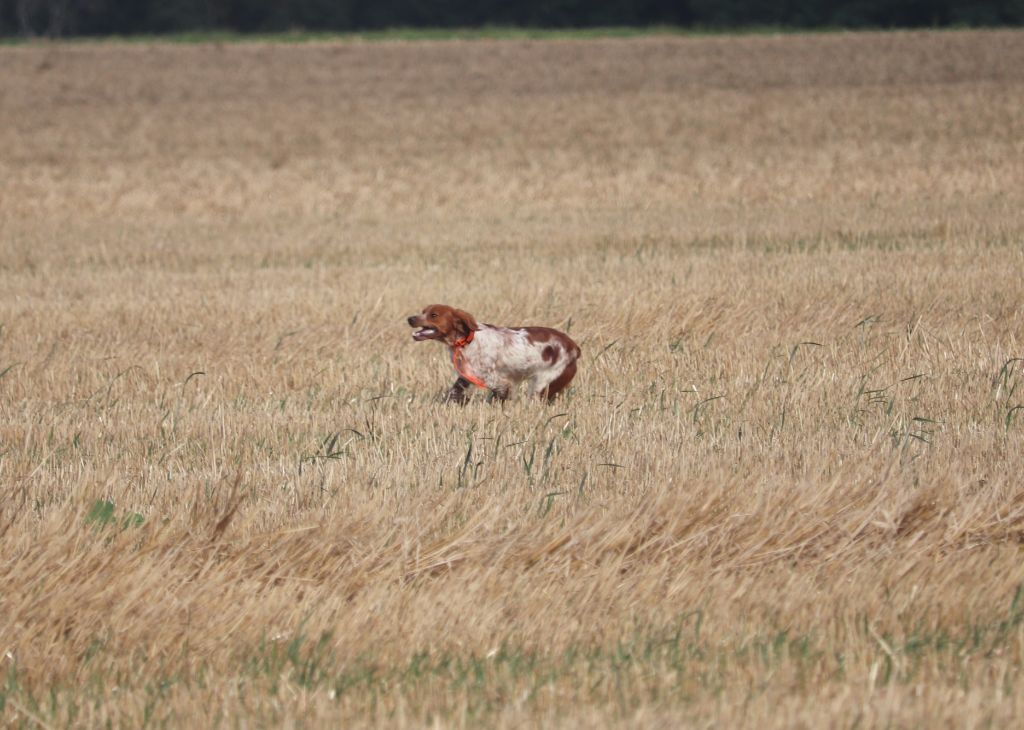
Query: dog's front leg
[457,393]
[500,394]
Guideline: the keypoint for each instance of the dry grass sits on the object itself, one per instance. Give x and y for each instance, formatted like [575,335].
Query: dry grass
[785,490]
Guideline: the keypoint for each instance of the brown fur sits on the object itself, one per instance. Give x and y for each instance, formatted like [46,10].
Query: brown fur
[451,324]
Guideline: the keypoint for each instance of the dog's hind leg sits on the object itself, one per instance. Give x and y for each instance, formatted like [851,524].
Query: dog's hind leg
[560,383]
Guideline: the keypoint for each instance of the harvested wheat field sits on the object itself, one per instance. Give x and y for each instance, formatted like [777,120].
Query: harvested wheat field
[784,491]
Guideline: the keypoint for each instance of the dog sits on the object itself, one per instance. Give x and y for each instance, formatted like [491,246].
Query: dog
[499,358]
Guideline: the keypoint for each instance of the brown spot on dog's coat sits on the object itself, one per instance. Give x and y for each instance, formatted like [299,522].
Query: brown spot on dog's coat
[559,342]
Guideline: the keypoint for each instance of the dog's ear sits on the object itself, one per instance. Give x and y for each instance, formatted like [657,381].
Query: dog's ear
[465,321]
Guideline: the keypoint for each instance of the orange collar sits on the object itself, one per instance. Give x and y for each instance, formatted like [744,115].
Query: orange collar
[464,371]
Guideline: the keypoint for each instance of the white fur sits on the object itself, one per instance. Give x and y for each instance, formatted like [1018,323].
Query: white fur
[503,357]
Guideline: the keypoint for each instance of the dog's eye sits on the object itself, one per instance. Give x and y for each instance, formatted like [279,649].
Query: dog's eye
[433,315]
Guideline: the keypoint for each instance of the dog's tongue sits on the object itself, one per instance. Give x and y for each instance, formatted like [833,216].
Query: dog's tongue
[423,333]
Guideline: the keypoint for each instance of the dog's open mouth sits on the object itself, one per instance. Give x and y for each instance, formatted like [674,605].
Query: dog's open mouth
[424,333]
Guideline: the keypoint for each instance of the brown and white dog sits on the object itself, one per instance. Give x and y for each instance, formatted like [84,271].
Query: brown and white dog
[499,358]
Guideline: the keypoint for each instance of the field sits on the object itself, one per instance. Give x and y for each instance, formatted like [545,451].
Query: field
[784,491]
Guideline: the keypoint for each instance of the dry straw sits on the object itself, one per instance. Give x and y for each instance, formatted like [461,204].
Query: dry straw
[784,490]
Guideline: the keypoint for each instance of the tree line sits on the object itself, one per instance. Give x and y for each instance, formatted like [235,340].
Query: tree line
[57,18]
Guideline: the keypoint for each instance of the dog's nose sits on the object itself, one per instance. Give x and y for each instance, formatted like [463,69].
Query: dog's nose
[412,321]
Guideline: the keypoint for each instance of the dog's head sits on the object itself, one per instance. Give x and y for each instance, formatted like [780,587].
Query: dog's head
[444,323]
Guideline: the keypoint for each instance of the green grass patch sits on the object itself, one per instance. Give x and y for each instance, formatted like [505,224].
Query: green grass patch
[668,667]
[103,512]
